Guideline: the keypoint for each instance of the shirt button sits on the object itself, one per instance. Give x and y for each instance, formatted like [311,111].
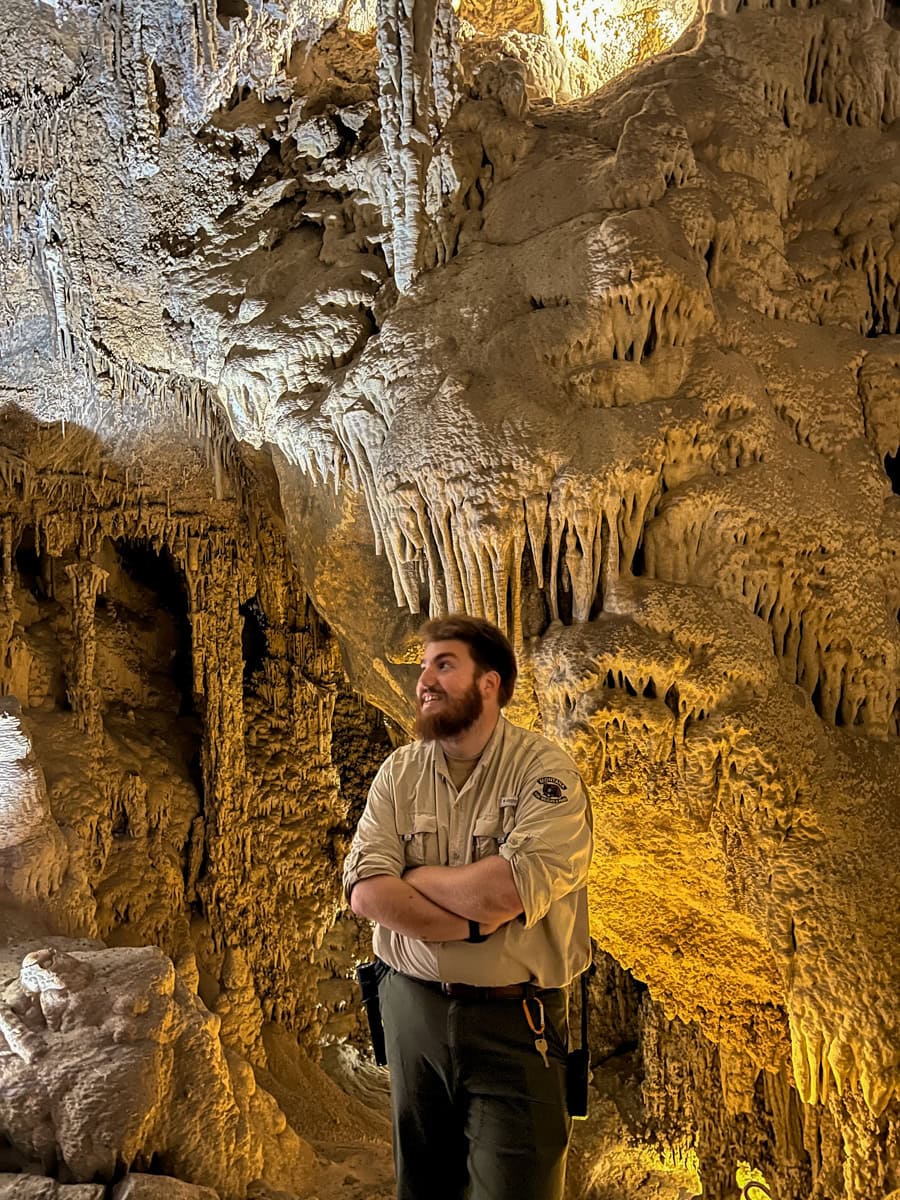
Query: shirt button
[454,857]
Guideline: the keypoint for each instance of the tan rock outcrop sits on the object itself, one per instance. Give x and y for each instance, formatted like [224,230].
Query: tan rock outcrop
[33,1187]
[109,1060]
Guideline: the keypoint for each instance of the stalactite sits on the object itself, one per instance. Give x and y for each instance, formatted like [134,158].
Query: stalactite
[418,90]
[855,688]
[468,558]
[684,1076]
[626,685]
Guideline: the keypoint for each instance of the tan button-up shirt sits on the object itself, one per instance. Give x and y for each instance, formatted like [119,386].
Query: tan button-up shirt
[524,800]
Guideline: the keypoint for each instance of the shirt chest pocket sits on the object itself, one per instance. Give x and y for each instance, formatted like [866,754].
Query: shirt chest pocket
[491,831]
[487,836]
[420,841]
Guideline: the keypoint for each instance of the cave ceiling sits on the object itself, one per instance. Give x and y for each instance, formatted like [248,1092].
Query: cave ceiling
[375,311]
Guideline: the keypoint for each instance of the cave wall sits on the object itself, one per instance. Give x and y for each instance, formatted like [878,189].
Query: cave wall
[174,717]
[315,319]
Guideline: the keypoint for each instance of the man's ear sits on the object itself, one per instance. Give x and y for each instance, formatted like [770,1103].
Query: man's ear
[490,683]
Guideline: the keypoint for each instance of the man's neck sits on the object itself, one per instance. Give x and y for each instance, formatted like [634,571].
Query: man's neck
[471,742]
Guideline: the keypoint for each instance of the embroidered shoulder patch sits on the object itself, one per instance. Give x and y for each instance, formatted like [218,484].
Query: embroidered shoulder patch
[552,791]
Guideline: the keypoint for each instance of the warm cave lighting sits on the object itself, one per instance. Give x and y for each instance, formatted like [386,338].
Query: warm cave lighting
[591,41]
[613,35]
[752,1183]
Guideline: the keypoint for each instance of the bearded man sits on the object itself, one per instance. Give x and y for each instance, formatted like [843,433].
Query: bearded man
[472,858]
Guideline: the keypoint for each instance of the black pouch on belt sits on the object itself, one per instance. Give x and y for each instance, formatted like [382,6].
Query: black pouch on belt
[578,1063]
[370,975]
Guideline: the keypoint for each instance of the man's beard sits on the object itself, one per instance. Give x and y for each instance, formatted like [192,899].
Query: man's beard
[455,717]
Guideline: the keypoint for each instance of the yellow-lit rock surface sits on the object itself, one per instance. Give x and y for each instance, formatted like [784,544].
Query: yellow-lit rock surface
[319,318]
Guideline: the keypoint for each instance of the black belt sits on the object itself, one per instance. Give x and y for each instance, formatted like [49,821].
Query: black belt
[469,991]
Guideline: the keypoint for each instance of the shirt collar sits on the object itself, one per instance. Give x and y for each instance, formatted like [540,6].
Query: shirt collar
[491,748]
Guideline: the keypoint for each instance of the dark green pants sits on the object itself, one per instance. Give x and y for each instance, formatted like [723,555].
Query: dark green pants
[476,1113]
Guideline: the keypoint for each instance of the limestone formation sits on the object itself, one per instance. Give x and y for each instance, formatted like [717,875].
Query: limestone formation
[320,317]
[33,1187]
[157,1187]
[110,1058]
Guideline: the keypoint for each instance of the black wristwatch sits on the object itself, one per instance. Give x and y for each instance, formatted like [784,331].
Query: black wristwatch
[475,934]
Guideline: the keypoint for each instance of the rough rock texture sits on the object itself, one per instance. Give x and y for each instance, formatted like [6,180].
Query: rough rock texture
[33,1187]
[86,1029]
[157,1187]
[141,798]
[316,319]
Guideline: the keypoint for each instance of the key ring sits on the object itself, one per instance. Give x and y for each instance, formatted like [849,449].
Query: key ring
[527,1011]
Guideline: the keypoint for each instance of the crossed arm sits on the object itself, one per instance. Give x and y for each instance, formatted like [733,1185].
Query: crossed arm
[437,903]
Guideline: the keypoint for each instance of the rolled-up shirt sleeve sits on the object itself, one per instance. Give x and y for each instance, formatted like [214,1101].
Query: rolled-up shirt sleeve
[549,847]
[376,848]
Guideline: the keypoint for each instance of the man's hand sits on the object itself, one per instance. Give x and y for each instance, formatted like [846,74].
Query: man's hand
[392,902]
[483,891]
[489,927]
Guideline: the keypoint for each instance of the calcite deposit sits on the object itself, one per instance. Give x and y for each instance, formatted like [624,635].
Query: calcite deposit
[321,316]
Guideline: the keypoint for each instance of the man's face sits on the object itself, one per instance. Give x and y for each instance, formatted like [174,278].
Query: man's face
[448,694]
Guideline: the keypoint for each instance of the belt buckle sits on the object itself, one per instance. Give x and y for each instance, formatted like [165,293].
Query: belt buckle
[464,991]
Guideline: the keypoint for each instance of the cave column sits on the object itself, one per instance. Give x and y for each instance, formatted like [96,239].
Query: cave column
[213,576]
[8,612]
[7,533]
[87,580]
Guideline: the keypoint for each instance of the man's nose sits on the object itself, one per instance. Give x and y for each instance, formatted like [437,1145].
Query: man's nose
[427,678]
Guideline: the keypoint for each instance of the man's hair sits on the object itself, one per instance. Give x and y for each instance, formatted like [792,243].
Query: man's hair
[489,647]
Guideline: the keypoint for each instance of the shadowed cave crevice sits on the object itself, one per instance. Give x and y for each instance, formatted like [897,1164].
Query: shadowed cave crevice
[156,572]
[231,10]
[254,643]
[892,468]
[12,1161]
[144,633]
[31,565]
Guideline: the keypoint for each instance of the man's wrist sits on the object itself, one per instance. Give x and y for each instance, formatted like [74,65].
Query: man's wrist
[475,934]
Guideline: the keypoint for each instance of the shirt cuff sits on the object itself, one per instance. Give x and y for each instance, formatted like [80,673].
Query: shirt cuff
[531,879]
[357,868]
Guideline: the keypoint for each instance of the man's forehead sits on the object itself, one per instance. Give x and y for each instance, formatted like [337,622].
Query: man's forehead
[452,647]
